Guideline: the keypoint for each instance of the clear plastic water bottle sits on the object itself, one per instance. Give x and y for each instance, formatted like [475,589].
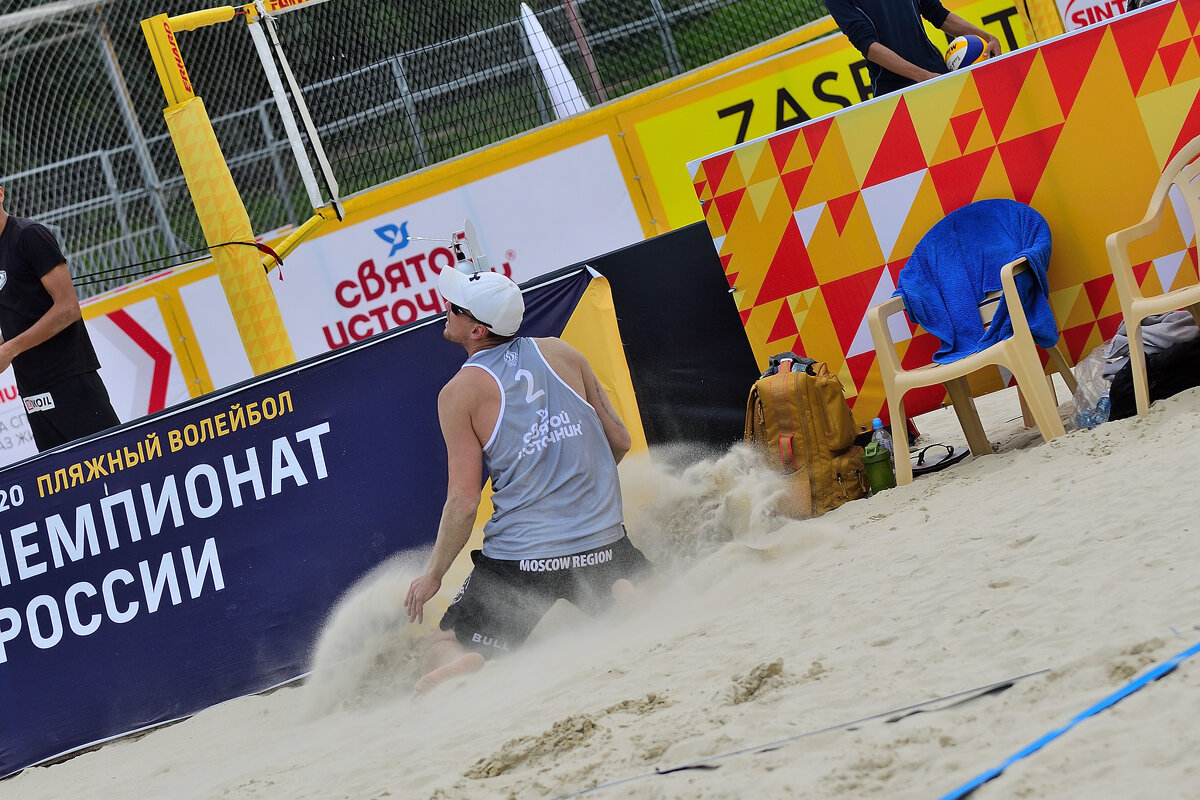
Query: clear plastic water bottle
[880,434]
[1103,409]
[884,439]
[1091,417]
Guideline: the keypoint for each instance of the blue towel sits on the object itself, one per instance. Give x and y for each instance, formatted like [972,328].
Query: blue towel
[958,262]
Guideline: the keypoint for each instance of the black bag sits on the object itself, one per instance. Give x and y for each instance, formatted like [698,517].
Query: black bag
[799,364]
[1168,373]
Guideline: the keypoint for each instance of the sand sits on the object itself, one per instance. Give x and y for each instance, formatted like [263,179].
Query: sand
[1072,563]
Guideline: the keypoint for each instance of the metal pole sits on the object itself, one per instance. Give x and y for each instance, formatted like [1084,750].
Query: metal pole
[280,178]
[668,39]
[136,137]
[410,110]
[314,139]
[536,73]
[114,189]
[585,50]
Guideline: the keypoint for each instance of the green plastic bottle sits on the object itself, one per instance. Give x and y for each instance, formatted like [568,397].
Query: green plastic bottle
[877,460]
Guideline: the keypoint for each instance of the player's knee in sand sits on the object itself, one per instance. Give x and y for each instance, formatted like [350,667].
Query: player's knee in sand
[443,647]
[445,659]
[627,596]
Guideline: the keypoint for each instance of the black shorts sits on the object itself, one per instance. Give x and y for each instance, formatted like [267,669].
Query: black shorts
[80,408]
[501,601]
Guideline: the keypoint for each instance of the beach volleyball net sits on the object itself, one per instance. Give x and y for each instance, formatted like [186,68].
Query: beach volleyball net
[382,90]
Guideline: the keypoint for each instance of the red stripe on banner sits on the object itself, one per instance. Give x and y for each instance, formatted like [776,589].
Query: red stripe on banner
[781,147]
[159,354]
[785,324]
[790,271]
[900,151]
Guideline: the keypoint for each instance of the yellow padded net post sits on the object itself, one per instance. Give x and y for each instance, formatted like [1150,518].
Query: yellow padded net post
[1042,17]
[218,204]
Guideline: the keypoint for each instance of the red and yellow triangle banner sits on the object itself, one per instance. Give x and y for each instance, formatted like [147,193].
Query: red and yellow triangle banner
[815,222]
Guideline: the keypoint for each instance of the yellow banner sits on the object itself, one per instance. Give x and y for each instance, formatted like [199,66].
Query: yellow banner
[786,90]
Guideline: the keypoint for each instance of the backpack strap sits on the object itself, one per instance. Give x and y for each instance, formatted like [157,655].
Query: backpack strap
[785,405]
[752,404]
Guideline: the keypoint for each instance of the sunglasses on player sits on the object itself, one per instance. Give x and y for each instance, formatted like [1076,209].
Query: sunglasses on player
[460,311]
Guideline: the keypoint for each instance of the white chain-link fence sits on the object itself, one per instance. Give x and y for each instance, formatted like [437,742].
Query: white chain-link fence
[392,88]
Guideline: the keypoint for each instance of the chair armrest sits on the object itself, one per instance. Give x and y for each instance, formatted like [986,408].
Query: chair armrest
[1016,311]
[888,308]
[881,335]
[1148,225]
[1117,243]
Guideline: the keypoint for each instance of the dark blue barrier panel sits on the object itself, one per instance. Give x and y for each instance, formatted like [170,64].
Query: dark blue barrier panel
[192,557]
[683,338]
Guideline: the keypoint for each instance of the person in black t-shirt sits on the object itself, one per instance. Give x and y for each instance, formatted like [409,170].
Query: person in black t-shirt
[891,37]
[44,337]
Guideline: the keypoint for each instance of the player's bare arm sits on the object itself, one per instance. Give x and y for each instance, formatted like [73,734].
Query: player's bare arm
[614,429]
[464,468]
[957,26]
[64,312]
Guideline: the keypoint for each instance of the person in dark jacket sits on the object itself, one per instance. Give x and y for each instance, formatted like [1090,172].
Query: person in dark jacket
[891,37]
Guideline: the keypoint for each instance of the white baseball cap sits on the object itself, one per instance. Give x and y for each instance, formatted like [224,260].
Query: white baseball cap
[489,297]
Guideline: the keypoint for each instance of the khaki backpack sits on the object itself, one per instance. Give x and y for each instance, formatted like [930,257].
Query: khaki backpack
[803,425]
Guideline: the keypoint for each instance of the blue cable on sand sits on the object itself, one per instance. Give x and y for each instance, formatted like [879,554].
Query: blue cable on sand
[1120,694]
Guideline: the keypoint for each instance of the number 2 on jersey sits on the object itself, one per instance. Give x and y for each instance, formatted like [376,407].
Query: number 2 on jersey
[530,394]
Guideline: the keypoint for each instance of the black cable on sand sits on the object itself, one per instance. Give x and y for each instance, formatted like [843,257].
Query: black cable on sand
[894,715]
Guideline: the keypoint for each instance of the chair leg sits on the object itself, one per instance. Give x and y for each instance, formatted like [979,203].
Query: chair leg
[1137,362]
[1058,357]
[968,417]
[900,441]
[1026,414]
[1032,381]
[1027,419]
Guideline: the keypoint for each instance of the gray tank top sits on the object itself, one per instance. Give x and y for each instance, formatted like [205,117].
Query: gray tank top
[553,473]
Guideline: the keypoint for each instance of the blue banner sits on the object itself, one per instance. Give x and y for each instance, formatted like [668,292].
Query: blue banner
[192,557]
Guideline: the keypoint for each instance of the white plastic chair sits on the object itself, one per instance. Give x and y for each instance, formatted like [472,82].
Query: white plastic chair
[1182,172]
[1018,354]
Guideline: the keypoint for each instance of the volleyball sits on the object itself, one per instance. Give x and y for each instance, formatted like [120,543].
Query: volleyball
[964,51]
